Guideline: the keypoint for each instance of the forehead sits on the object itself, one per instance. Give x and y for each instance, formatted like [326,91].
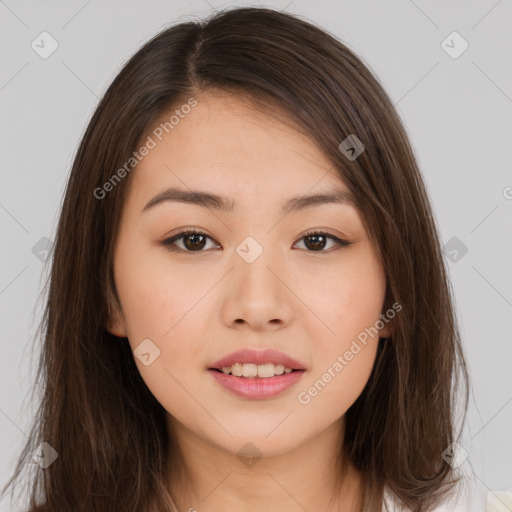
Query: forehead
[224,143]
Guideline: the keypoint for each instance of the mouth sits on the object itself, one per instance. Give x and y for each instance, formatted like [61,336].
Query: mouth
[256,374]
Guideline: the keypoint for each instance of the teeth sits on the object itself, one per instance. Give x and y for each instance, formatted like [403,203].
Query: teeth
[250,370]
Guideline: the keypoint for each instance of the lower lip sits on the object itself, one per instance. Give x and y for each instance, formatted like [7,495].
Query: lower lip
[257,388]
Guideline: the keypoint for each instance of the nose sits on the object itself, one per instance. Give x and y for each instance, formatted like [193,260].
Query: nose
[257,295]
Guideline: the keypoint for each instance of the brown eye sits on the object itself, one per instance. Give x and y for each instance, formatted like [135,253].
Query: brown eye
[315,242]
[194,241]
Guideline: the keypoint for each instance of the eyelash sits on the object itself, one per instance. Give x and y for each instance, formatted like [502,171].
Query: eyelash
[169,242]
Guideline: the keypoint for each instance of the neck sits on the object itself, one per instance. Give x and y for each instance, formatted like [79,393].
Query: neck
[303,478]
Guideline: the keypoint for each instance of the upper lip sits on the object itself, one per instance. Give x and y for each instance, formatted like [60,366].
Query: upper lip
[257,357]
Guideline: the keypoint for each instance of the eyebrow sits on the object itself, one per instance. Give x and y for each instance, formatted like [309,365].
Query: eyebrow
[216,202]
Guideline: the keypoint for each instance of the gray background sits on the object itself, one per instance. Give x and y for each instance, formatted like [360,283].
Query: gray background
[457,112]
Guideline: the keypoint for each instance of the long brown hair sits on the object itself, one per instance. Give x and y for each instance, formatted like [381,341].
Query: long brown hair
[96,412]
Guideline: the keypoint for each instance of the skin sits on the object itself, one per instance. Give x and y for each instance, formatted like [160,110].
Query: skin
[198,307]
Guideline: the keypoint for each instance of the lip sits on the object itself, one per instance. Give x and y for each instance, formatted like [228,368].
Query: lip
[257,388]
[258,357]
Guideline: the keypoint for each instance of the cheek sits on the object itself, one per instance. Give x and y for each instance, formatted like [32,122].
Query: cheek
[156,297]
[159,305]
[350,304]
[331,390]
[347,299]
[163,304]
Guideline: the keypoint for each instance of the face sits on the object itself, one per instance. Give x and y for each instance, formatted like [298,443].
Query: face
[255,276]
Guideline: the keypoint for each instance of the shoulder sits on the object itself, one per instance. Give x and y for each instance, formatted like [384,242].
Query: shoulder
[467,496]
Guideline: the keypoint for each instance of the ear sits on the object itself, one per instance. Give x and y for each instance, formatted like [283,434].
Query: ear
[385,332]
[116,324]
[116,330]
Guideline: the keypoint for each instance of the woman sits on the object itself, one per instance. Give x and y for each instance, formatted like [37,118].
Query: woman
[305,359]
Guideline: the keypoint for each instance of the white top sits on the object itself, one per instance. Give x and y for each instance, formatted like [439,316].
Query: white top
[466,497]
